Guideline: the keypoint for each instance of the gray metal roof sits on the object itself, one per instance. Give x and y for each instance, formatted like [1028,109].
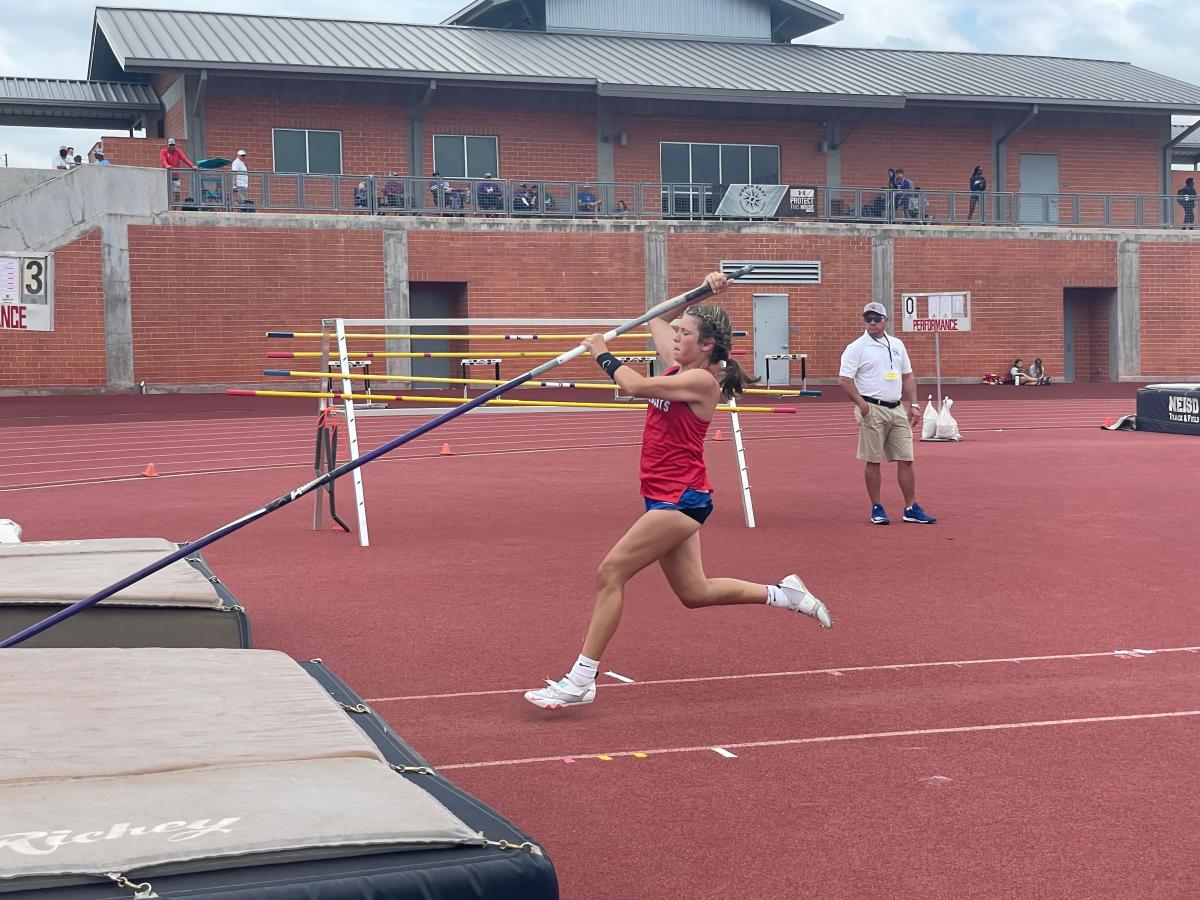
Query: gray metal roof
[148,40]
[1192,140]
[58,102]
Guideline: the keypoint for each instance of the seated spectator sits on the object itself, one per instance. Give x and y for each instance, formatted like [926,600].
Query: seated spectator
[1018,374]
[549,201]
[622,209]
[1038,371]
[490,196]
[362,194]
[588,202]
[525,200]
[393,192]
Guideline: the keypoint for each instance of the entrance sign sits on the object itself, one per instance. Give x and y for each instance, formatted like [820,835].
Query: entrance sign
[26,292]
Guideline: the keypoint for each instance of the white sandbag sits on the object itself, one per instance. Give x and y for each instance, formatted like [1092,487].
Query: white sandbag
[947,426]
[10,532]
[929,421]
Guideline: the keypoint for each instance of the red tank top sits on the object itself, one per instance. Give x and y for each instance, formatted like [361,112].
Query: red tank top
[672,450]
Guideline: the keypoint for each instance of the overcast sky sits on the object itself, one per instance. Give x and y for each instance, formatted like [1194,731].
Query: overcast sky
[53,41]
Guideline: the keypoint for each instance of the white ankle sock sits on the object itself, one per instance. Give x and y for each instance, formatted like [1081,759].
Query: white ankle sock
[583,672]
[776,596]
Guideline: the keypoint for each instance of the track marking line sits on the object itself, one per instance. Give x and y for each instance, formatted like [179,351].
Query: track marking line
[725,753]
[840,670]
[619,677]
[839,738]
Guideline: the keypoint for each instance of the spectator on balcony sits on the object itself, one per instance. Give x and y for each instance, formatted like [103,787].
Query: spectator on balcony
[91,154]
[906,201]
[172,157]
[60,160]
[525,200]
[978,185]
[393,192]
[241,180]
[1187,199]
[490,196]
[98,157]
[621,210]
[362,193]
[588,202]
[71,158]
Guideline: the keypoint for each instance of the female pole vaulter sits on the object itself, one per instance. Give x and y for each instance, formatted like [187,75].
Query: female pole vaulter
[678,496]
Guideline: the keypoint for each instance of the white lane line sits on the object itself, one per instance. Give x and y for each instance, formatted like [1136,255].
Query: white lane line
[833,739]
[725,753]
[619,677]
[840,670]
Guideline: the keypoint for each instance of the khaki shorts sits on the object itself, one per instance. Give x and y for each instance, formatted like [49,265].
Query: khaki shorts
[882,431]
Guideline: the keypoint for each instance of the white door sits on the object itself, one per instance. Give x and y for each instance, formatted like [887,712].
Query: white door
[1038,202]
[771,336]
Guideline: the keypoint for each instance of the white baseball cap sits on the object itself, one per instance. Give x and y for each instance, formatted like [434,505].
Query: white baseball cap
[170,141]
[241,153]
[877,308]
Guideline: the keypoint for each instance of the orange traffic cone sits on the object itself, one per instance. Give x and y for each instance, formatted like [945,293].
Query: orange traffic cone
[1108,422]
[446,451]
[150,471]
[719,436]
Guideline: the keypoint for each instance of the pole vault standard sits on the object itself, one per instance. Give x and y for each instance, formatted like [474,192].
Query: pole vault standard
[662,309]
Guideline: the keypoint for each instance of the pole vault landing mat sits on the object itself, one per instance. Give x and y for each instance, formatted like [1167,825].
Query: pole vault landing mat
[230,774]
[183,605]
[1173,408]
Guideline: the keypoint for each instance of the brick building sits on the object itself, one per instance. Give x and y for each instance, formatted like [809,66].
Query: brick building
[634,98]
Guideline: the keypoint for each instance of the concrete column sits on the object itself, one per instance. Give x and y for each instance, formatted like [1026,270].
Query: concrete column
[606,136]
[883,276]
[118,306]
[396,298]
[1125,331]
[656,276]
[416,142]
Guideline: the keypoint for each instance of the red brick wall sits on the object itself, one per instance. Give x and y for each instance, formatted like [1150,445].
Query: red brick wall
[127,151]
[73,354]
[1099,162]
[1170,319]
[532,144]
[374,138]
[175,122]
[799,158]
[1016,297]
[823,318]
[537,276]
[934,157]
[203,297]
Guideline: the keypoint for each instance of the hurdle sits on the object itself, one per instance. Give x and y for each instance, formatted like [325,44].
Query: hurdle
[334,338]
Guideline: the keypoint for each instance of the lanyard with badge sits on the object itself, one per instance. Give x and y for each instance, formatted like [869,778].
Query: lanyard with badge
[892,374]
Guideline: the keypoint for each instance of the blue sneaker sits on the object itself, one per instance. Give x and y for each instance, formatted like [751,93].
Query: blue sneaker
[879,517]
[915,514]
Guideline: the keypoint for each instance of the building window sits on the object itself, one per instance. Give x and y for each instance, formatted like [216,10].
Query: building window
[719,163]
[465,156]
[307,151]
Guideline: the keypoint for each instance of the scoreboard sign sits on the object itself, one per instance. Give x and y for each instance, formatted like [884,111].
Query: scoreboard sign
[937,313]
[26,292]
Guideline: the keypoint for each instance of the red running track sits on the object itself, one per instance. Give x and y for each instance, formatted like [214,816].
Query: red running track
[965,730]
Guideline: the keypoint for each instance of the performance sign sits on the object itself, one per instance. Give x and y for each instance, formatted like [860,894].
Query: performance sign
[26,292]
[937,313]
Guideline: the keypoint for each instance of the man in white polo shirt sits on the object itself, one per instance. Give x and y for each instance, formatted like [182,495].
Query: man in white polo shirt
[876,372]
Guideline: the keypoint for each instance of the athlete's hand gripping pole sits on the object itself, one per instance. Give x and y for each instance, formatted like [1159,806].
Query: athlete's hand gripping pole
[347,467]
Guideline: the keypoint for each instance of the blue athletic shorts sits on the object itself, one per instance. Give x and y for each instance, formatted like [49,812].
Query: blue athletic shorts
[694,504]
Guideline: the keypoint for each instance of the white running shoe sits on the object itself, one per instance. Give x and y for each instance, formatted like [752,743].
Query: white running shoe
[557,694]
[801,601]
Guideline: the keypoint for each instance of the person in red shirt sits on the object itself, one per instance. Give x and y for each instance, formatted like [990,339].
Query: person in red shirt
[172,157]
[676,490]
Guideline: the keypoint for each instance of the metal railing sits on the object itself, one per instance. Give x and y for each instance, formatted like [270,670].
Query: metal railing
[495,198]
